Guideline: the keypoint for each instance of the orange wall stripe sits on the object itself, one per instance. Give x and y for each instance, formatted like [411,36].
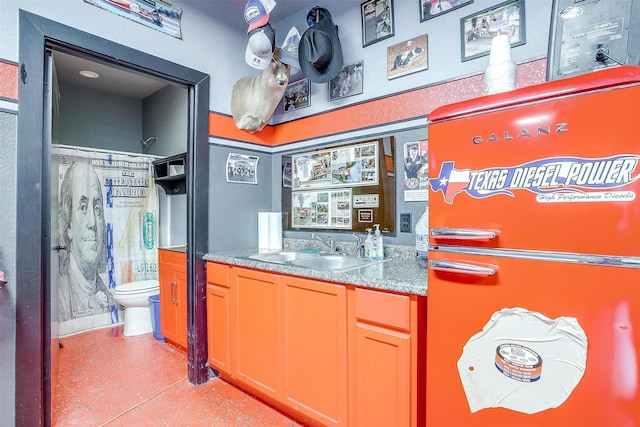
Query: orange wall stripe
[223,126]
[404,106]
[8,81]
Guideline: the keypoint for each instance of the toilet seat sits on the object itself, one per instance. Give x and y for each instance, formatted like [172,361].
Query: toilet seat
[136,287]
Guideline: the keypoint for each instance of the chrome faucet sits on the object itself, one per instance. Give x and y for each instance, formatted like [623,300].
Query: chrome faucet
[359,244]
[326,240]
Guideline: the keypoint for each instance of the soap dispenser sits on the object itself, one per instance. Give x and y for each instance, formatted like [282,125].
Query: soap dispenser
[378,247]
[368,243]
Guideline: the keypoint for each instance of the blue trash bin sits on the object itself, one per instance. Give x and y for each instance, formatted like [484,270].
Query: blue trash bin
[154,305]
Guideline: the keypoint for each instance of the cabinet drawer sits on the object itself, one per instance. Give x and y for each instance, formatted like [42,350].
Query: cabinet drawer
[383,308]
[175,260]
[218,274]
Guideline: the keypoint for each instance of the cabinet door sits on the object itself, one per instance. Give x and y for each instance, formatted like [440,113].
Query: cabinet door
[382,358]
[181,308]
[383,387]
[218,317]
[173,296]
[168,312]
[315,349]
[218,324]
[256,330]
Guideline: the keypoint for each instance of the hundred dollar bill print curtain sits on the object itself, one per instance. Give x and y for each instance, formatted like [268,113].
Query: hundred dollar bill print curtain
[108,227]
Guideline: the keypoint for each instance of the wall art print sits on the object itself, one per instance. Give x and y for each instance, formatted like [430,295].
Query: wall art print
[377,21]
[407,57]
[348,82]
[478,29]
[296,96]
[434,8]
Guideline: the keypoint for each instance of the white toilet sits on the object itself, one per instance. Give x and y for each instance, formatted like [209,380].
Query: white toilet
[134,296]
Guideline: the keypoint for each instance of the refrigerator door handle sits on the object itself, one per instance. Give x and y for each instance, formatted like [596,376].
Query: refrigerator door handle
[476,269]
[464,233]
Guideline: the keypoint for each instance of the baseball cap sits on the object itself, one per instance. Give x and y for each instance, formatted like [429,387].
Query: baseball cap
[256,13]
[289,49]
[260,47]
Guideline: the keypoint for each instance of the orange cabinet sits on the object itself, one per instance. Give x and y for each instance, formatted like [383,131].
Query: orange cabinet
[314,325]
[383,369]
[326,353]
[218,317]
[256,330]
[173,296]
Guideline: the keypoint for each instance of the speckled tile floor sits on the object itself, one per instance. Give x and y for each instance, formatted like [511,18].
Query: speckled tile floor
[105,379]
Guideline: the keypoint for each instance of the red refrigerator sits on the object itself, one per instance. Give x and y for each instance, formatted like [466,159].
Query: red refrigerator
[533,314]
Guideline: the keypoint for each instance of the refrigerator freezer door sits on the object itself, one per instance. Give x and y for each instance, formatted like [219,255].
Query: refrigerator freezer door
[601,301]
[552,173]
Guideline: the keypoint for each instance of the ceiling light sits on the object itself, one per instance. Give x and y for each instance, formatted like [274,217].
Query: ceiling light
[89,74]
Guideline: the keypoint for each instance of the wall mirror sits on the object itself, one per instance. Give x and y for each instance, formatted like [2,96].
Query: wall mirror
[345,187]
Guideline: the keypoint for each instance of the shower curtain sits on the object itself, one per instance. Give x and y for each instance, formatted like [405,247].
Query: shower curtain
[108,227]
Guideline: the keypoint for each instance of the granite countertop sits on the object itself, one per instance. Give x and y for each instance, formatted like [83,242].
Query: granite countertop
[400,271]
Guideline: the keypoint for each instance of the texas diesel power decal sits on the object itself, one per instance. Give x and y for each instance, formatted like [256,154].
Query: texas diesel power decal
[553,179]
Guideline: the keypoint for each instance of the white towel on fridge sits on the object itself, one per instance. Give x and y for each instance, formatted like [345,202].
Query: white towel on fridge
[523,361]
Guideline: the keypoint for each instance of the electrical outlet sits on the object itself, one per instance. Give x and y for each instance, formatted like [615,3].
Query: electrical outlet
[405,223]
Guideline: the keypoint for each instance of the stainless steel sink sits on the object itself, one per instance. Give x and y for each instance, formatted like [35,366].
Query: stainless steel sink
[283,257]
[328,262]
[325,261]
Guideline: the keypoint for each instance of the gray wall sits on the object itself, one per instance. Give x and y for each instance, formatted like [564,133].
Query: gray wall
[98,120]
[416,209]
[164,115]
[8,126]
[233,207]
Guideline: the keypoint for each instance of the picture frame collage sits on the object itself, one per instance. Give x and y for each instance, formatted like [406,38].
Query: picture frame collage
[412,55]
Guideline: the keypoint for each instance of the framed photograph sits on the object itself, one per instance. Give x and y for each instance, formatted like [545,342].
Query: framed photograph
[348,82]
[286,174]
[377,21]
[296,96]
[407,57]
[477,30]
[432,8]
[242,168]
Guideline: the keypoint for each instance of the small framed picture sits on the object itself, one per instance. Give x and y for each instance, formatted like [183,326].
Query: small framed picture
[407,57]
[377,21]
[348,82]
[433,8]
[242,168]
[286,174]
[477,30]
[296,96]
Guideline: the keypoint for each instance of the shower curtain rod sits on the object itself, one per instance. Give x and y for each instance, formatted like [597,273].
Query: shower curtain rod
[100,150]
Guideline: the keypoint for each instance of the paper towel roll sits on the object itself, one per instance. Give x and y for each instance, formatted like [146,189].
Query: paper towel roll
[275,230]
[263,230]
[270,230]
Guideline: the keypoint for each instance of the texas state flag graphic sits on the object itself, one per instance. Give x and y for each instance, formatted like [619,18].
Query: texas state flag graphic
[450,181]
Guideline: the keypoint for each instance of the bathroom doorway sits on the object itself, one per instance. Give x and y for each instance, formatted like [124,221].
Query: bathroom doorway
[35,354]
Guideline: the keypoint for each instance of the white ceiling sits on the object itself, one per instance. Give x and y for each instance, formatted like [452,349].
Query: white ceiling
[112,80]
[123,83]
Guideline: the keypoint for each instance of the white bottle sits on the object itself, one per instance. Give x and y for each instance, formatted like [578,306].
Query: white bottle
[368,242]
[378,247]
[422,237]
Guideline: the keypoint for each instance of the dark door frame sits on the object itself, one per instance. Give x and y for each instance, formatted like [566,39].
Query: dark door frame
[37,35]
